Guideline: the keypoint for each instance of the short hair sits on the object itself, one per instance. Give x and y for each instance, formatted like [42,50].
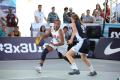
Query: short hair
[39,5]
[53,7]
[70,8]
[65,27]
[66,8]
[88,10]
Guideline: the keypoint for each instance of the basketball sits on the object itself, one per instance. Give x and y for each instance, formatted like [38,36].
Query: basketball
[38,40]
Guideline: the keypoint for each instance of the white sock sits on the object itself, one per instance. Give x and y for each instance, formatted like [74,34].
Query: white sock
[91,68]
[74,66]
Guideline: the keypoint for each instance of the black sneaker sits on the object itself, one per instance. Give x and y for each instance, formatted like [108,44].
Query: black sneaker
[75,71]
[118,78]
[92,73]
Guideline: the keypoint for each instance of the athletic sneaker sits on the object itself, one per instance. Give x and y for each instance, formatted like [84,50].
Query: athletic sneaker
[118,78]
[38,69]
[92,73]
[75,71]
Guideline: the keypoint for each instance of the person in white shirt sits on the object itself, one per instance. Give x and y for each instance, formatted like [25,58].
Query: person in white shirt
[39,16]
[97,18]
[57,43]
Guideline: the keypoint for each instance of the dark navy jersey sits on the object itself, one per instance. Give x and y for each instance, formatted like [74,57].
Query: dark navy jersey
[80,30]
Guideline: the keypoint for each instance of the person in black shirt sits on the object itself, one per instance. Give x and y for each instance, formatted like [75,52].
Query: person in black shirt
[82,47]
[70,14]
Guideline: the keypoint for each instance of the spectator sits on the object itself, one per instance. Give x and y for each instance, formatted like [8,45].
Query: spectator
[88,18]
[106,9]
[97,18]
[82,16]
[2,19]
[66,19]
[98,8]
[15,33]
[114,18]
[2,31]
[2,25]
[42,31]
[52,16]
[118,16]
[39,16]
[70,14]
[67,34]
[11,21]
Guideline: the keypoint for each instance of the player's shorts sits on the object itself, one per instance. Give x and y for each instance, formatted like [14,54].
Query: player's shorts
[82,46]
[62,49]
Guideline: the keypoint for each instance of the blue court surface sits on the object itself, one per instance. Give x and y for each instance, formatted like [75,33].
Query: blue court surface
[57,69]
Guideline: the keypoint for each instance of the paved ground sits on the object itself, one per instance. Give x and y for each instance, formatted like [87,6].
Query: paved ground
[57,69]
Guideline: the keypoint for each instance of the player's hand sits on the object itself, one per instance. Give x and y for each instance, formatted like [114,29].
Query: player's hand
[70,41]
[54,44]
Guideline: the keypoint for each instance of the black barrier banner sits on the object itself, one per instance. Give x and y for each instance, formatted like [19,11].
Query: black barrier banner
[108,48]
[21,48]
[93,31]
[114,32]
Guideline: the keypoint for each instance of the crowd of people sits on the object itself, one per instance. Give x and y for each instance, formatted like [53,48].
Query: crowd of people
[98,15]
[8,24]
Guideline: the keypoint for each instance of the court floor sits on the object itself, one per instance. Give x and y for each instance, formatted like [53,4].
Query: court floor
[57,69]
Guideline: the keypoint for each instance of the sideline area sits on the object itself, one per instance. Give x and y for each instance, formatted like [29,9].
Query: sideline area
[54,69]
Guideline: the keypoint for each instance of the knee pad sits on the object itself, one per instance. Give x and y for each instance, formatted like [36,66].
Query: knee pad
[43,54]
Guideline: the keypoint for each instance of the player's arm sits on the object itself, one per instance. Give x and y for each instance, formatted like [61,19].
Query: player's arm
[41,37]
[73,33]
[46,35]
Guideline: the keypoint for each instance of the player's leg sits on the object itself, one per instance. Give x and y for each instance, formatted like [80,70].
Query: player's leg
[62,56]
[87,62]
[84,50]
[66,59]
[68,48]
[74,67]
[63,50]
[70,54]
[44,53]
[43,57]
[59,54]
[118,78]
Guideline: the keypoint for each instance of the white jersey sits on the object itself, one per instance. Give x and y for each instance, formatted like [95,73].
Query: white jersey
[56,39]
[55,36]
[79,38]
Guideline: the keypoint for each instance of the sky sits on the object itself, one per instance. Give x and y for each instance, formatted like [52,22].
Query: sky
[26,8]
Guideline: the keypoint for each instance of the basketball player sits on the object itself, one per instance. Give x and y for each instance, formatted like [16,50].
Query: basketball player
[57,43]
[82,47]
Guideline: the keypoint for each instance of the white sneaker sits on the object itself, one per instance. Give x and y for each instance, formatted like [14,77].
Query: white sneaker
[38,69]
